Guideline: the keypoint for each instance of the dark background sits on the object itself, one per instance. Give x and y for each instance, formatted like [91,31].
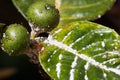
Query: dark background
[112,17]
[26,69]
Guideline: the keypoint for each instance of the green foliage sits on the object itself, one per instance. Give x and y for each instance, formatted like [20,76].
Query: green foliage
[71,10]
[75,10]
[83,9]
[75,50]
[22,5]
[82,50]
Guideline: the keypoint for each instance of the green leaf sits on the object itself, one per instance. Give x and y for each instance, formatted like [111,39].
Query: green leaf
[23,5]
[82,51]
[71,10]
[83,9]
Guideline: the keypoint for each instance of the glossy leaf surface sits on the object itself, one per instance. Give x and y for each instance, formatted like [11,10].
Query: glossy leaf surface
[23,5]
[82,51]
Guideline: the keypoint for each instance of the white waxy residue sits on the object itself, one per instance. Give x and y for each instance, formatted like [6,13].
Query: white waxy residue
[3,48]
[101,34]
[74,63]
[109,53]
[90,60]
[105,75]
[54,52]
[57,31]
[48,7]
[86,77]
[51,56]
[104,31]
[37,29]
[83,48]
[72,74]
[77,41]
[100,65]
[58,69]
[100,54]
[59,44]
[86,68]
[13,34]
[48,69]
[115,52]
[111,61]
[42,49]
[99,16]
[60,56]
[67,36]
[103,44]
[77,15]
[4,35]
[49,60]
[97,49]
[88,46]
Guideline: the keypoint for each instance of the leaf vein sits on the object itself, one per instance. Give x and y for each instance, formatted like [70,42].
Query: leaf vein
[51,41]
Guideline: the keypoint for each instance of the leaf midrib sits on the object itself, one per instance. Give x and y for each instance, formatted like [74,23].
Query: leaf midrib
[51,41]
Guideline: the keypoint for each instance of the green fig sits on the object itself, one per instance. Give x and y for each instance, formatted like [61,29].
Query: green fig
[15,39]
[43,15]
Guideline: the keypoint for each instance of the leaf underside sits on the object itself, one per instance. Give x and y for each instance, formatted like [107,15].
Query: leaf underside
[82,51]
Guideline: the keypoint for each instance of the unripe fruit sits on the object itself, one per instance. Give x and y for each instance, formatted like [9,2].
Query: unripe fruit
[15,39]
[43,15]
